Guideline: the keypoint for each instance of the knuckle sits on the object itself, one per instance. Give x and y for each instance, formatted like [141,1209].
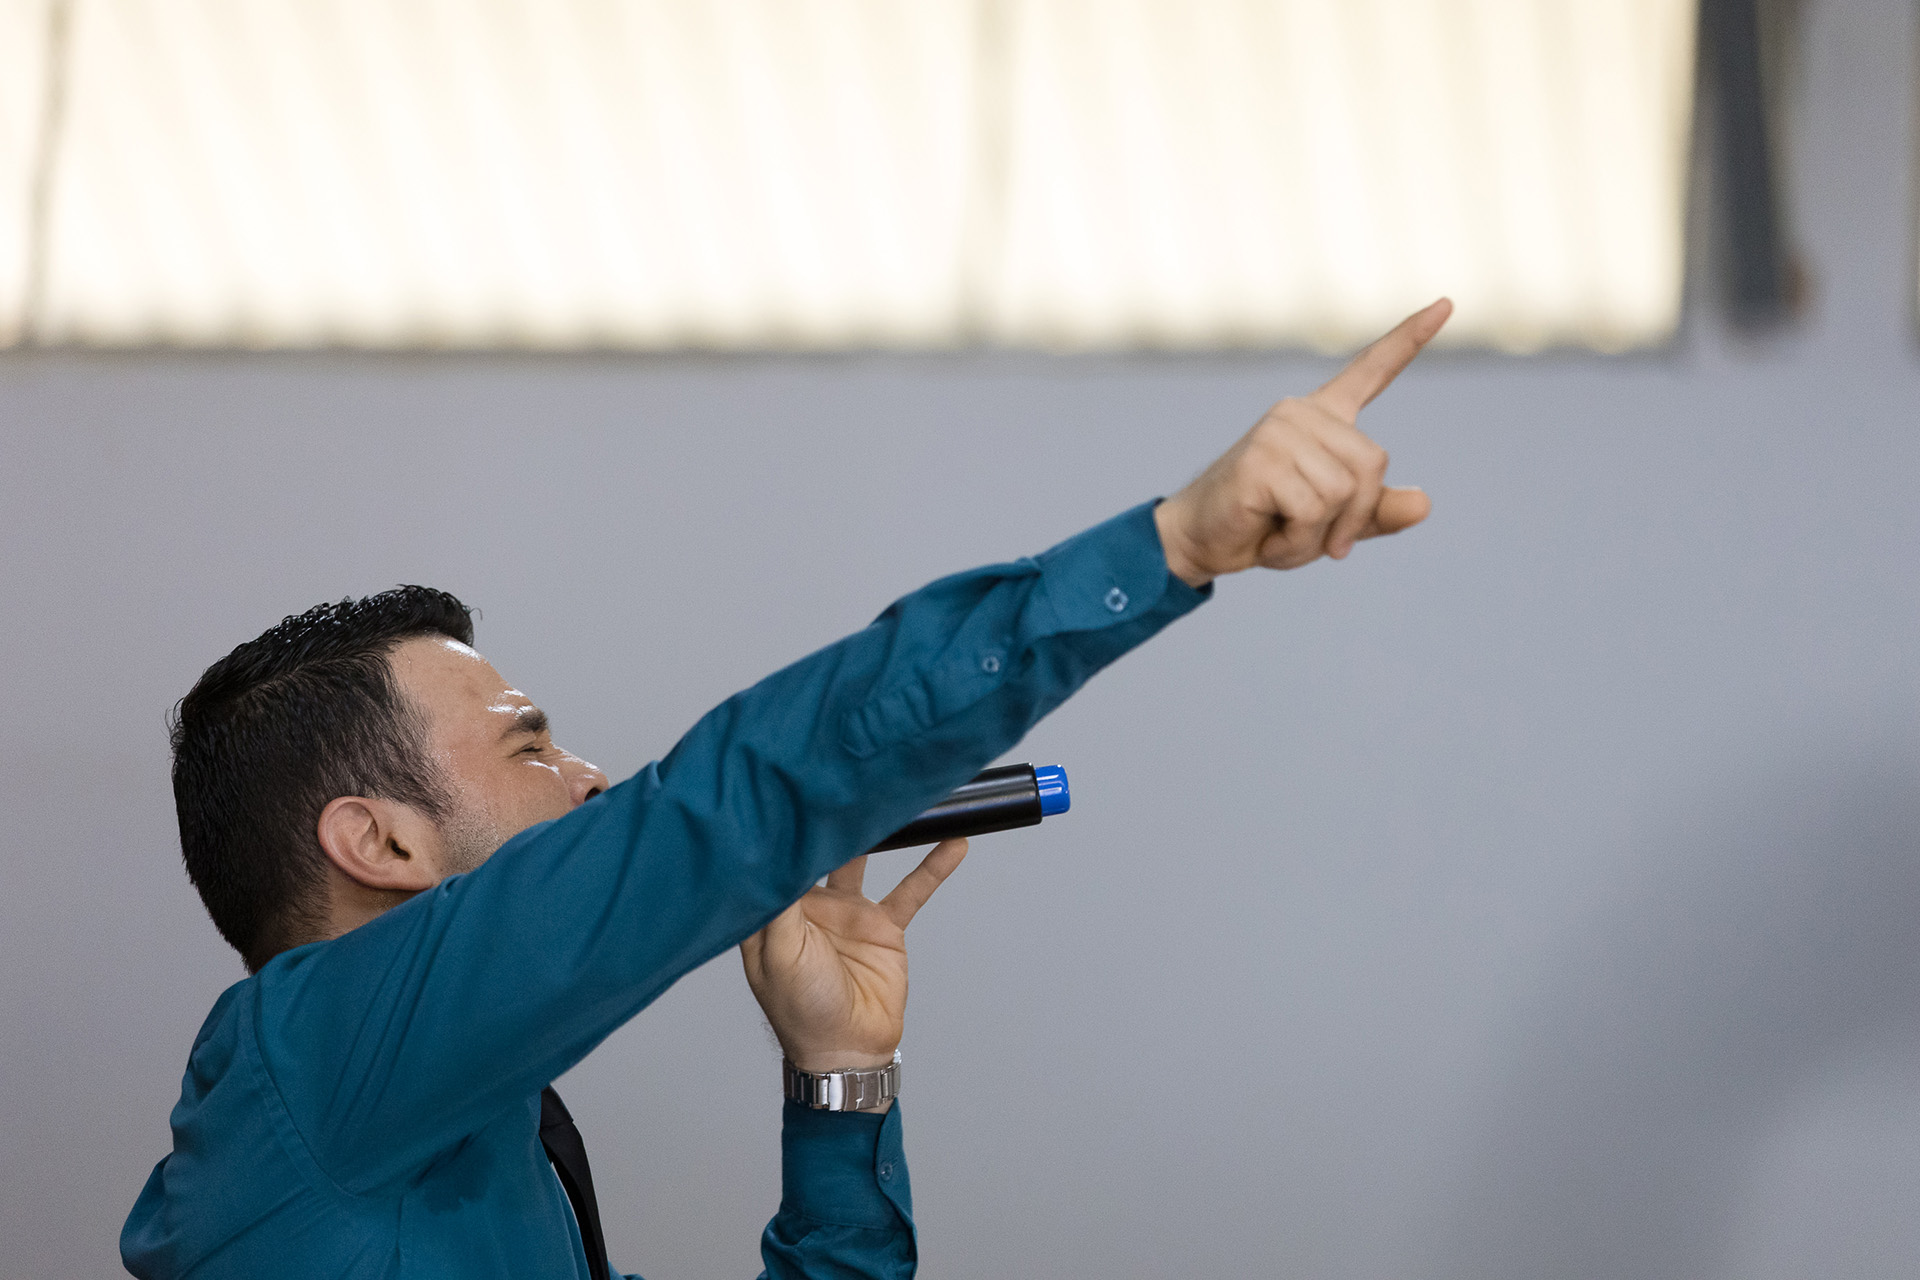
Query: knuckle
[1282,416]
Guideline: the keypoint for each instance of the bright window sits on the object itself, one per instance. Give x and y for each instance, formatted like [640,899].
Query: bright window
[822,174]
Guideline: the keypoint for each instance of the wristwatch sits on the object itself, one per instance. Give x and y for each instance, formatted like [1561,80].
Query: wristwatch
[842,1090]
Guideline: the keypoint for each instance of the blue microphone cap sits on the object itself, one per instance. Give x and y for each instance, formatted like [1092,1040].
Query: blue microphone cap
[1054,796]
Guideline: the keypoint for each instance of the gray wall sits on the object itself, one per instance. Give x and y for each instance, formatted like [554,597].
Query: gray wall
[1537,895]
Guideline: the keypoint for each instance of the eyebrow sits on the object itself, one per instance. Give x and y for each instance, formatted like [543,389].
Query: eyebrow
[527,720]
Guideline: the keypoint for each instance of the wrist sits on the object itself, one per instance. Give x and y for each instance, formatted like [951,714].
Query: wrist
[1175,546]
[819,1063]
[861,1089]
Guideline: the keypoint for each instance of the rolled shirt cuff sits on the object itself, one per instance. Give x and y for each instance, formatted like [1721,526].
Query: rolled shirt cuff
[1115,572]
[844,1167]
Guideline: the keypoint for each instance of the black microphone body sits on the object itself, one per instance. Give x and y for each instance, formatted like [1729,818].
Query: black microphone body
[1014,795]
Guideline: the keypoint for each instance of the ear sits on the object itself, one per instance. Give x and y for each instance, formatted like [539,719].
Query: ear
[379,844]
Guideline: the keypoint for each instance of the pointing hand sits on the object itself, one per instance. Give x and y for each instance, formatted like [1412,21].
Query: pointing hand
[1304,482]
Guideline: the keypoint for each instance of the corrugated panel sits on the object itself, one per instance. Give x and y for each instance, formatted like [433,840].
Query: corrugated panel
[23,96]
[1239,171]
[522,172]
[835,173]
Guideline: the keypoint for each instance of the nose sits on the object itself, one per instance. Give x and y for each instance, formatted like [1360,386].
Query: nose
[584,779]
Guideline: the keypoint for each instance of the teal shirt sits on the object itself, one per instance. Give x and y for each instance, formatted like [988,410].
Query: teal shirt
[369,1106]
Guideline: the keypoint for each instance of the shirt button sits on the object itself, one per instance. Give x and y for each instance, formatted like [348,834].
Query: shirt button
[886,1171]
[990,663]
[1117,600]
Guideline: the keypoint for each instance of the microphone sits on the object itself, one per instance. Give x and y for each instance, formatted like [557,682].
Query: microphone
[1014,795]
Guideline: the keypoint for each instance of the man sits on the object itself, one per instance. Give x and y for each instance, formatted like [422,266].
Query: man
[442,910]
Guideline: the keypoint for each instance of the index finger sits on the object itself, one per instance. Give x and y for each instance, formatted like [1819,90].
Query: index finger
[1367,374]
[912,893]
[849,877]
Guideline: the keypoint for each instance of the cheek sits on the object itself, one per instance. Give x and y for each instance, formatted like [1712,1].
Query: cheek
[544,785]
[523,794]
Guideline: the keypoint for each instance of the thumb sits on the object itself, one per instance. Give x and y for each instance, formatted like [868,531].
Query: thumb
[1399,509]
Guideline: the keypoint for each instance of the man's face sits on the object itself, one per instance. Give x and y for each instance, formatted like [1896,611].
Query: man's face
[492,747]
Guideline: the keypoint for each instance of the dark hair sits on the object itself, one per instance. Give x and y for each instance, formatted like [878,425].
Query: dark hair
[278,728]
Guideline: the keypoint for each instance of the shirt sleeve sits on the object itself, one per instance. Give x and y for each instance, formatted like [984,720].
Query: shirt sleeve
[846,1207]
[392,1042]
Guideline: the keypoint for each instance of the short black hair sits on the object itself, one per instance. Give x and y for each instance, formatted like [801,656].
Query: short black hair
[272,732]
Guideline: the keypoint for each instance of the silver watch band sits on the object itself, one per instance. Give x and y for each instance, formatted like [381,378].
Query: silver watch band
[842,1090]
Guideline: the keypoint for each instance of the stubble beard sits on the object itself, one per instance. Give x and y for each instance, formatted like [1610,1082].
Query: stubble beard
[470,838]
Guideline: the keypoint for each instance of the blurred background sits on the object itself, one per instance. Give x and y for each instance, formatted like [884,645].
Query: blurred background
[1537,894]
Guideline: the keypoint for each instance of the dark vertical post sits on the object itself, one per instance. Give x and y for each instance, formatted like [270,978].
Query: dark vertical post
[1757,276]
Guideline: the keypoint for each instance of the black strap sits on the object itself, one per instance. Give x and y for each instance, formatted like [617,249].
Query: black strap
[569,1156]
